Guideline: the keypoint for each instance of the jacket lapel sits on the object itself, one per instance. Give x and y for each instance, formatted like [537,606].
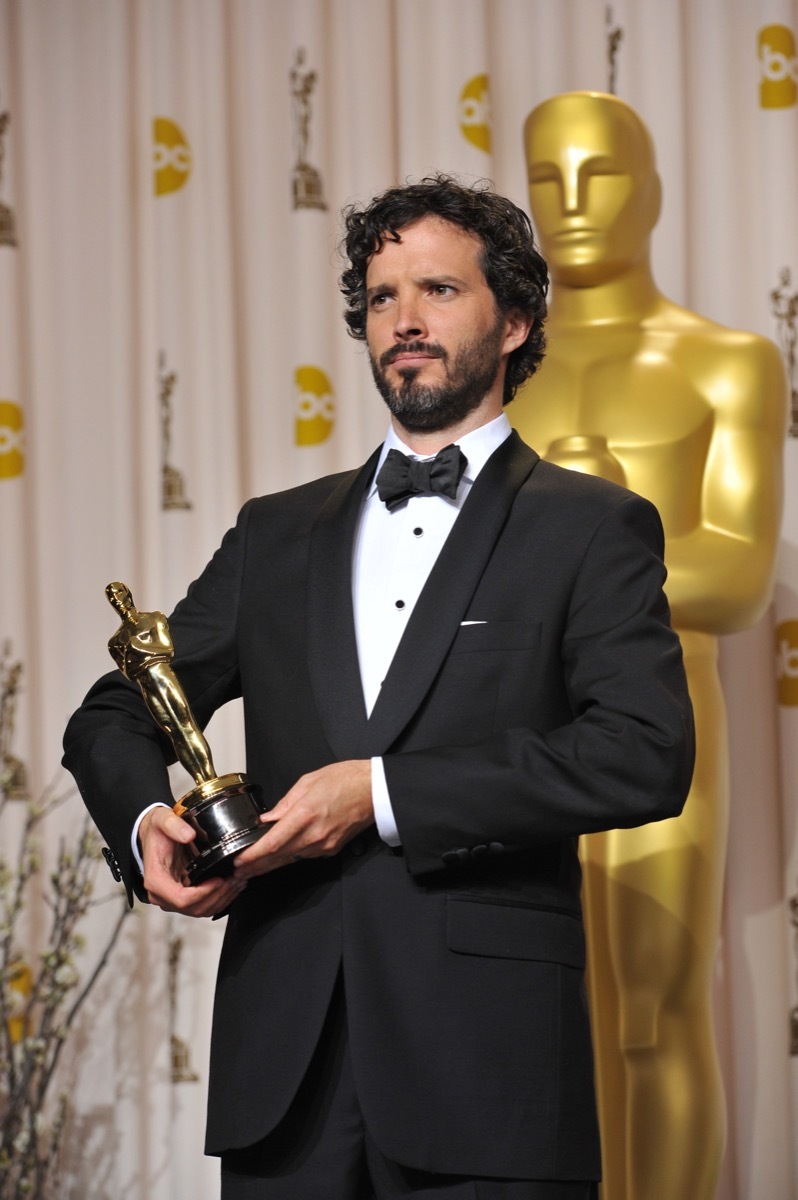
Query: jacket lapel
[332,643]
[446,595]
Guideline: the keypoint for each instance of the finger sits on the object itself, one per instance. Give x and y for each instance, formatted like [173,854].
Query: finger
[177,829]
[256,861]
[166,822]
[220,897]
[206,899]
[281,841]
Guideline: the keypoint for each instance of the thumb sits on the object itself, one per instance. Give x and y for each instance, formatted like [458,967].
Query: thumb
[178,829]
[167,823]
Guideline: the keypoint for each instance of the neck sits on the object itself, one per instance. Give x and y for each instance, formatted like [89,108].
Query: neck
[426,442]
[625,299]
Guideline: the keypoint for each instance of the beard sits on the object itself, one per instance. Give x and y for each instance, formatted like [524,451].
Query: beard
[429,408]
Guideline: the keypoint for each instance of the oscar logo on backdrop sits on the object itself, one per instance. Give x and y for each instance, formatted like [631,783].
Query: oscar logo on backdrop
[8,235]
[12,440]
[787,663]
[778,67]
[19,989]
[171,156]
[691,415]
[307,188]
[315,406]
[475,112]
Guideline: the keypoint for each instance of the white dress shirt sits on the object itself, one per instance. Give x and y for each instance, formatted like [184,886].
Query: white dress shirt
[394,553]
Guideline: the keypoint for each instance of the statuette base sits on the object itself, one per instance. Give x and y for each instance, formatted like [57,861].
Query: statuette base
[225,815]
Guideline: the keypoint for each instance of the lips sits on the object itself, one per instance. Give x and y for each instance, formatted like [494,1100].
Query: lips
[409,360]
[412,354]
[575,235]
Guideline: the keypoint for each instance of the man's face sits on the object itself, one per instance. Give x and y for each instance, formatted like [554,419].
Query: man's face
[436,342]
[593,190]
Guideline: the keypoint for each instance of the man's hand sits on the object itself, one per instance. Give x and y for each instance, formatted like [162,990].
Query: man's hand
[163,836]
[315,819]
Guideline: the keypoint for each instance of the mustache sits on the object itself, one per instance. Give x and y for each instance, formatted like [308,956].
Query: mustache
[433,349]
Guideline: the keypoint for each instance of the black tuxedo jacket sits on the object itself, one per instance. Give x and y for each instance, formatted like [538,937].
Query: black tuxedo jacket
[538,693]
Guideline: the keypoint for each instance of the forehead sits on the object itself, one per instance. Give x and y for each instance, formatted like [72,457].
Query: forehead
[430,246]
[566,132]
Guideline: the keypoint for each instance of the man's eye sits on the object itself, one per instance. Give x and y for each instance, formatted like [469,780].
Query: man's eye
[379,299]
[443,289]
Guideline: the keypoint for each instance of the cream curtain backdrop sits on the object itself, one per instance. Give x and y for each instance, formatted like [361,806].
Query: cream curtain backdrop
[171,173]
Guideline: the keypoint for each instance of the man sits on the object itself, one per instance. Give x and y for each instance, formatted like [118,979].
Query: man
[441,692]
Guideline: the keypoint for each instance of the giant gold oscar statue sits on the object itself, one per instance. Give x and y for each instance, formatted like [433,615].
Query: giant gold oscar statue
[691,415]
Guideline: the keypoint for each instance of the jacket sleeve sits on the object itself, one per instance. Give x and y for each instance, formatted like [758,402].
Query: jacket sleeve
[624,755]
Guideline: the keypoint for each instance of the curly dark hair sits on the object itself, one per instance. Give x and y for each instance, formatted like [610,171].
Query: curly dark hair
[514,270]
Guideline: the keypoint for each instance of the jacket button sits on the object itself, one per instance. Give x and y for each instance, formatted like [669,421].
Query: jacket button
[113,865]
[357,846]
[496,848]
[479,851]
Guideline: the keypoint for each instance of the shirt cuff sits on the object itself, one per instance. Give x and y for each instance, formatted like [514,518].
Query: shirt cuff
[134,837]
[383,811]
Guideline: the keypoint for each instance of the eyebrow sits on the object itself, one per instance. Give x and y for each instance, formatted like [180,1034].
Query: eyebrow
[424,281]
[595,164]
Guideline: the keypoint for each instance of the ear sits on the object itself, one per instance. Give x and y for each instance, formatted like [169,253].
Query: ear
[517,327]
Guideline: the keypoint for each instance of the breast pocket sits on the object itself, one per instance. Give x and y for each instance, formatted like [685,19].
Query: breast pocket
[474,636]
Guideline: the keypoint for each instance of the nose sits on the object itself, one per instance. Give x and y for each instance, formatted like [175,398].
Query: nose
[572,188]
[574,184]
[409,323]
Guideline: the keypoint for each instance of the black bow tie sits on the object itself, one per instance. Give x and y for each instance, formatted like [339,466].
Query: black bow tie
[401,477]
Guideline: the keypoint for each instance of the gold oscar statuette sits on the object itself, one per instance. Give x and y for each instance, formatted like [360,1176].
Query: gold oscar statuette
[222,810]
[642,391]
